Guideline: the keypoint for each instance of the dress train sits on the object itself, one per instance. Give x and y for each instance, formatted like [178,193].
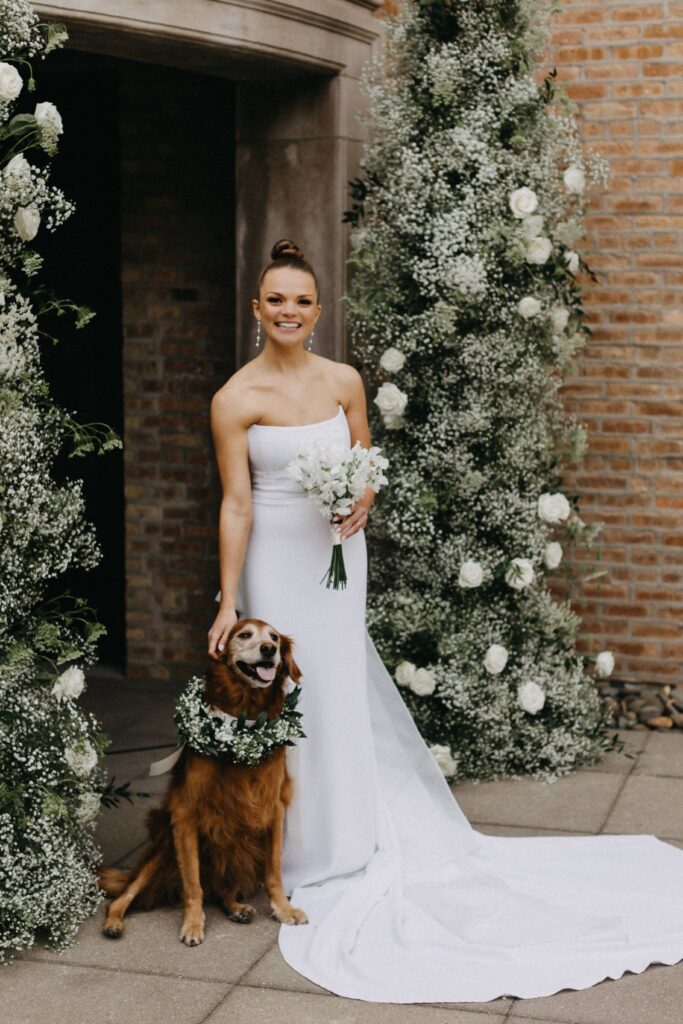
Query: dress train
[406,901]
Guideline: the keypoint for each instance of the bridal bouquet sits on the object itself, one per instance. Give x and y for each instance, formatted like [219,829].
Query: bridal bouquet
[335,477]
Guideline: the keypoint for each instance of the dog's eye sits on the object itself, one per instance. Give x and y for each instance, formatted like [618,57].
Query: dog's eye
[273,636]
[244,636]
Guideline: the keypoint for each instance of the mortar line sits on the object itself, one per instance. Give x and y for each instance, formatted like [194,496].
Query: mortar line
[625,779]
[132,850]
[612,805]
[119,970]
[138,750]
[218,1004]
[256,963]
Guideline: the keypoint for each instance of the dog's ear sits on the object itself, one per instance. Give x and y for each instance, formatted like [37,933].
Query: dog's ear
[216,679]
[287,658]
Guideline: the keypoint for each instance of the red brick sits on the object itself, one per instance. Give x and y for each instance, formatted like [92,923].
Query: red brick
[637,12]
[637,52]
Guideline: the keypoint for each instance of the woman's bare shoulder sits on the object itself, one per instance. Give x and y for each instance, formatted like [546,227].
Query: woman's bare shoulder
[236,400]
[347,378]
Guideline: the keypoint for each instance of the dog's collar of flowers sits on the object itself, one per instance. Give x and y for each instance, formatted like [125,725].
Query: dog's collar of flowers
[213,733]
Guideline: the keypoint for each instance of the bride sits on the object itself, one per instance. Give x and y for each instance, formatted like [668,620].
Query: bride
[406,901]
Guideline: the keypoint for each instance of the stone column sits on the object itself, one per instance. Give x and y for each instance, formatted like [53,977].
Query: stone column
[298,143]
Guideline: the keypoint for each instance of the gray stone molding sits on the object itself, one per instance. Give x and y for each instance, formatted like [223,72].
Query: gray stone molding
[322,35]
[296,64]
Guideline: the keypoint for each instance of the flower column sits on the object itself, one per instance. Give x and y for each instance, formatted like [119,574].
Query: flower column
[50,783]
[466,314]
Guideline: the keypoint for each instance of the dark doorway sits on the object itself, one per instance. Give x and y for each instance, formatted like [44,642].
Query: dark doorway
[83,263]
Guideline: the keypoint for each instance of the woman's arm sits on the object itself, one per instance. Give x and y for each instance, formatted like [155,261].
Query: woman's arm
[351,384]
[229,422]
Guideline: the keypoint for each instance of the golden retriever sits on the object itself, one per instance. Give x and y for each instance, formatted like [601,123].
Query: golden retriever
[219,830]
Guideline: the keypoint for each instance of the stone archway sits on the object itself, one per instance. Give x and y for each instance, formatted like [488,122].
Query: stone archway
[296,67]
[281,84]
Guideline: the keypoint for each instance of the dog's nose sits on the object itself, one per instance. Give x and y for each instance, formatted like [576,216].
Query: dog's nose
[268,650]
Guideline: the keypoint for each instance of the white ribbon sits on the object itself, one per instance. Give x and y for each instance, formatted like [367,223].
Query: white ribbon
[335,530]
[165,765]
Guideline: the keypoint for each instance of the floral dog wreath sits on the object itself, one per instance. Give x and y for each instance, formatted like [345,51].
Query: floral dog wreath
[213,733]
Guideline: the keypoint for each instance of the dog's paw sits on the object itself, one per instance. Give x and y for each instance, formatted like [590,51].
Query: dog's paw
[290,915]
[243,915]
[192,933]
[112,928]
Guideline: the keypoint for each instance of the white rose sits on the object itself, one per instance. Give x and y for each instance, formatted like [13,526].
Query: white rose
[444,758]
[404,673]
[538,250]
[531,226]
[604,664]
[70,684]
[528,307]
[88,808]
[358,237]
[559,317]
[571,258]
[392,360]
[530,697]
[47,116]
[496,659]
[523,201]
[82,759]
[574,180]
[520,573]
[552,556]
[27,222]
[471,574]
[423,682]
[391,402]
[11,82]
[18,168]
[553,508]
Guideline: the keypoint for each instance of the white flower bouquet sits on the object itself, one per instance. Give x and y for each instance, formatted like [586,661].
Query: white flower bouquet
[335,478]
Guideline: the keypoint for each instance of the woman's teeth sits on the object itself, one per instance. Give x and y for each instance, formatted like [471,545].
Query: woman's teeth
[288,327]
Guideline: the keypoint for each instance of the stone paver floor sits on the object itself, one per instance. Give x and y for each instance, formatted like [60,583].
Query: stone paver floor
[238,975]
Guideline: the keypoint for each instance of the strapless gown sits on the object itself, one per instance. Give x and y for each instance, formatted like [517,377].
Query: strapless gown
[406,901]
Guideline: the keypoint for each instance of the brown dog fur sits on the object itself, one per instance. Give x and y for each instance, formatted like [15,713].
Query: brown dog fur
[219,830]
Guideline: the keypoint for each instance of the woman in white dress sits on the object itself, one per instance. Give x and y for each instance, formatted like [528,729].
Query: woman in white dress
[406,901]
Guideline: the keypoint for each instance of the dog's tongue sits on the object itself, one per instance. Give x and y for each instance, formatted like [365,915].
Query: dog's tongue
[265,672]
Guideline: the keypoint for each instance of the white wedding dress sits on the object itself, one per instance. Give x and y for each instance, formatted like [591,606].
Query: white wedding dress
[406,901]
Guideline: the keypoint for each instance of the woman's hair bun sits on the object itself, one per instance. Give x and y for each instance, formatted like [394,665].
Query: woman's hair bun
[286,254]
[285,247]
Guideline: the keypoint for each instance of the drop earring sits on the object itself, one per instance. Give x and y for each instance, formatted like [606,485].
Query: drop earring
[310,340]
[258,333]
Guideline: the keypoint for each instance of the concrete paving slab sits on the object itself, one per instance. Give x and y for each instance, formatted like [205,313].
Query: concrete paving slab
[577,802]
[663,755]
[131,857]
[133,767]
[634,741]
[653,997]
[272,971]
[120,829]
[263,1006]
[130,709]
[151,943]
[648,804]
[64,994]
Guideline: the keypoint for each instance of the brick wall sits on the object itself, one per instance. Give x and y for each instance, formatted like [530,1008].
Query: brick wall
[623,65]
[177,268]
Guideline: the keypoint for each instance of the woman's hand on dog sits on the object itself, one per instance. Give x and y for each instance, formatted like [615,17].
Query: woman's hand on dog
[218,634]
